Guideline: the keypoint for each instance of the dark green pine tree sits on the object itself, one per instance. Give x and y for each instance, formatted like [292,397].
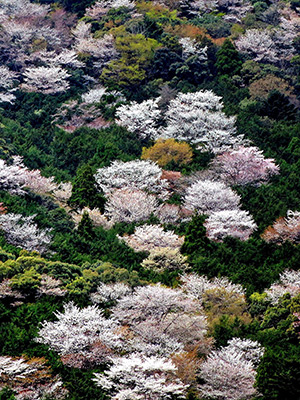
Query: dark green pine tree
[228,59]
[85,227]
[278,107]
[85,192]
[196,242]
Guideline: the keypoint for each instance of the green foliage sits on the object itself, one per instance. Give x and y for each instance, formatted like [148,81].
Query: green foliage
[278,372]
[253,263]
[7,394]
[85,192]
[29,281]
[129,71]
[77,6]
[277,106]
[214,24]
[94,147]
[228,59]
[19,325]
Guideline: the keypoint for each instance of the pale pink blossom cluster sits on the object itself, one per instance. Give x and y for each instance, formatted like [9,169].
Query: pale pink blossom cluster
[150,237]
[229,373]
[245,165]
[289,282]
[23,232]
[284,229]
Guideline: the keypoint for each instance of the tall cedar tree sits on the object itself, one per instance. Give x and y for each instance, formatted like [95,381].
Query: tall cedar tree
[85,191]
[85,228]
[228,59]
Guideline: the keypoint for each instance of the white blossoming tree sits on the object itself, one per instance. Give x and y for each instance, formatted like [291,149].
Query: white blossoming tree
[197,285]
[139,377]
[47,80]
[136,174]
[229,373]
[82,337]
[163,320]
[198,118]
[30,379]
[140,118]
[23,232]
[12,177]
[110,292]
[235,223]
[130,205]
[258,44]
[7,80]
[284,229]
[150,237]
[207,197]
[101,7]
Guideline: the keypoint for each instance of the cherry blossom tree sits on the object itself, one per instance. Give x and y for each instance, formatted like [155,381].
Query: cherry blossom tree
[284,229]
[198,118]
[190,48]
[23,232]
[47,80]
[50,286]
[245,165]
[66,58]
[251,350]
[258,44]
[289,282]
[16,177]
[139,377]
[130,205]
[20,8]
[140,118]
[94,95]
[150,237]
[207,197]
[17,38]
[12,177]
[229,373]
[235,223]
[8,293]
[7,80]
[37,183]
[111,292]
[63,192]
[102,7]
[192,117]
[163,320]
[136,174]
[152,301]
[168,213]
[30,379]
[197,285]
[83,337]
[101,49]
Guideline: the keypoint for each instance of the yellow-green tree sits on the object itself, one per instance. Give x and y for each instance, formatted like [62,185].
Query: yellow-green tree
[136,51]
[167,151]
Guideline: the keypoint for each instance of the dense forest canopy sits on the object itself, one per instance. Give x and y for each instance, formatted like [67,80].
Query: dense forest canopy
[149,200]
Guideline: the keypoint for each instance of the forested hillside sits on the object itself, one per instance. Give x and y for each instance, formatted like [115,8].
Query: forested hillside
[149,200]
